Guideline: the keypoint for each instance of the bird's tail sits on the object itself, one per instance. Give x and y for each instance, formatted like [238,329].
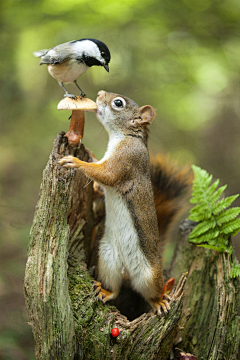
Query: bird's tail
[40,53]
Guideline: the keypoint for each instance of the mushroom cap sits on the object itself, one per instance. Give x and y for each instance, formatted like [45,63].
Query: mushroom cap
[79,103]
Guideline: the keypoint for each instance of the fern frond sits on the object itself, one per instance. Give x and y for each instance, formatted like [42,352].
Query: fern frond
[197,197]
[223,204]
[200,212]
[216,224]
[235,271]
[216,195]
[207,237]
[202,227]
[212,188]
[231,226]
[202,177]
[230,250]
[200,216]
[217,248]
[227,215]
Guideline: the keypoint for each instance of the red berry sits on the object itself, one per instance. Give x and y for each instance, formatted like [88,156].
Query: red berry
[115,332]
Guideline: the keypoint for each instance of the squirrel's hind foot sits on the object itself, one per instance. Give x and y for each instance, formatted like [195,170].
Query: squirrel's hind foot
[101,294]
[161,304]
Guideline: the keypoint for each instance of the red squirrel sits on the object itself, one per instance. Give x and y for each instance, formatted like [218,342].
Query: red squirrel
[141,202]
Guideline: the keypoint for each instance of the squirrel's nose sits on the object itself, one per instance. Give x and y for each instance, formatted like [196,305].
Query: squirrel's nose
[100,93]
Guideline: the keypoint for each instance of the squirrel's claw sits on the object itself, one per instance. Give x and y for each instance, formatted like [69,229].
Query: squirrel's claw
[160,304]
[167,297]
[101,294]
[164,301]
[69,162]
[96,287]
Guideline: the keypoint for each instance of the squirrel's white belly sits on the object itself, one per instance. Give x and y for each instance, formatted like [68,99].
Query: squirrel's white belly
[68,71]
[119,248]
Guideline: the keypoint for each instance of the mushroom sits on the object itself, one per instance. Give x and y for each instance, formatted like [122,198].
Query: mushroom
[78,106]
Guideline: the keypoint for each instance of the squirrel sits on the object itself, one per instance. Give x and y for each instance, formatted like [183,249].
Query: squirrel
[142,201]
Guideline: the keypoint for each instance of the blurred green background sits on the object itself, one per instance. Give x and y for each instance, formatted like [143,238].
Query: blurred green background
[180,56]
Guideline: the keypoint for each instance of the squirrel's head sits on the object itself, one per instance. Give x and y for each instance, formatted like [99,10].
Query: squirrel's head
[119,114]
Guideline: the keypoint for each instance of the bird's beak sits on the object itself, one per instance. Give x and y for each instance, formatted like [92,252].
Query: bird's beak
[106,67]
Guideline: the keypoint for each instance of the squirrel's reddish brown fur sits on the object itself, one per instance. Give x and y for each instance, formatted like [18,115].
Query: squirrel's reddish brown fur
[142,201]
[171,185]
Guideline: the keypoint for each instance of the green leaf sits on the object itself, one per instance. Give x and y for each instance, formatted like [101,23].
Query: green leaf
[200,208]
[202,176]
[223,204]
[227,215]
[212,188]
[202,227]
[216,195]
[215,223]
[198,198]
[210,235]
[231,226]
[221,249]
[200,212]
[235,271]
[197,217]
[234,233]
[230,250]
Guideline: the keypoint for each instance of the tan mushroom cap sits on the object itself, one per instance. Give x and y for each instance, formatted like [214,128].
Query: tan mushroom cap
[79,103]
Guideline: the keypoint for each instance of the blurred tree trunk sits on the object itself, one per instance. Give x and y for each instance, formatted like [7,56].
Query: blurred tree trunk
[66,319]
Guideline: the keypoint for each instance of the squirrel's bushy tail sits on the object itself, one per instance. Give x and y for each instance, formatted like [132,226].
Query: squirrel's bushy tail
[171,187]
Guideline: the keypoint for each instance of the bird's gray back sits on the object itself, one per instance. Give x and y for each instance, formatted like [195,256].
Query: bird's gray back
[57,54]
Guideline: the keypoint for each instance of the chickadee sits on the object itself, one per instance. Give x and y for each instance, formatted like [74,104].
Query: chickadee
[66,62]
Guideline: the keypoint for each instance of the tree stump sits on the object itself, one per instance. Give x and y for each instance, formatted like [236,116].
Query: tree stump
[68,322]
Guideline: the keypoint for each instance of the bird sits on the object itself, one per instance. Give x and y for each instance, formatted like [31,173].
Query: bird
[67,61]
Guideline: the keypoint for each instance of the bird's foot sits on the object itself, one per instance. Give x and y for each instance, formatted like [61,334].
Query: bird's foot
[83,95]
[72,96]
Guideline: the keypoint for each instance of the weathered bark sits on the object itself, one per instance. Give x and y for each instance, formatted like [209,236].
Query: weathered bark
[212,299]
[46,284]
[66,319]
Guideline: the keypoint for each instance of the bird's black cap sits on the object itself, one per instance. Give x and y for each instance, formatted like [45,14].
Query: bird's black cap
[102,47]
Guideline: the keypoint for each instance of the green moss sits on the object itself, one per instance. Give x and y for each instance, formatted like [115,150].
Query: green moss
[90,316]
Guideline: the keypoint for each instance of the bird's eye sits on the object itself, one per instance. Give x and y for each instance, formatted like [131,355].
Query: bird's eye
[118,103]
[102,53]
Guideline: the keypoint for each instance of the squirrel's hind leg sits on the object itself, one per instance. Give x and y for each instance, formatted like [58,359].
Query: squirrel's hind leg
[108,270]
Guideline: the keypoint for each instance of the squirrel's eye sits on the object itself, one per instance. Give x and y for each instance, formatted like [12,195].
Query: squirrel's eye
[118,103]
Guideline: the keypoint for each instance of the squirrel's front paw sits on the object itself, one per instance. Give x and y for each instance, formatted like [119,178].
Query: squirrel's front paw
[101,294]
[68,162]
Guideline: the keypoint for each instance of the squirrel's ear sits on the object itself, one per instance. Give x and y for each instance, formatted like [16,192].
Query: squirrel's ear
[147,113]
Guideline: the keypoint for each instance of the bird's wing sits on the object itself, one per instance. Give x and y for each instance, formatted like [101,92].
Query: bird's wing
[56,55]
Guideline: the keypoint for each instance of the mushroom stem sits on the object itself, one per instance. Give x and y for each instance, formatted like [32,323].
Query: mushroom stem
[78,106]
[75,132]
